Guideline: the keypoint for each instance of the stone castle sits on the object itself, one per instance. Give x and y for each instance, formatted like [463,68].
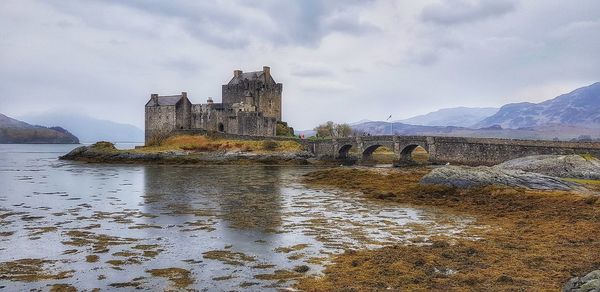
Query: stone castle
[251,105]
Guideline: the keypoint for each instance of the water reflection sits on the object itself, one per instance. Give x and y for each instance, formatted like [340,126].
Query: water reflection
[226,227]
[248,199]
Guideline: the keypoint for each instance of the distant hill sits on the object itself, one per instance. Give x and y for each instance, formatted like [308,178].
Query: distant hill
[568,116]
[549,132]
[89,129]
[13,131]
[580,107]
[457,116]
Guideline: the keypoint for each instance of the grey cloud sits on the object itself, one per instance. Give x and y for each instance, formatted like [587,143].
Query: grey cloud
[350,26]
[462,11]
[311,72]
[388,57]
[183,65]
[302,23]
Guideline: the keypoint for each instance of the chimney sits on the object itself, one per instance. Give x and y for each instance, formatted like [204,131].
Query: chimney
[154,98]
[237,73]
[267,72]
[184,94]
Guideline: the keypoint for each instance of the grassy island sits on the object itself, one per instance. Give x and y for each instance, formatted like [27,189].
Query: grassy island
[189,149]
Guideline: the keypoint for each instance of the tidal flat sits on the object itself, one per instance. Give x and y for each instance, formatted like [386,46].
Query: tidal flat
[534,240]
[72,225]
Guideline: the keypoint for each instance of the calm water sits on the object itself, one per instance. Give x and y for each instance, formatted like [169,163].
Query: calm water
[231,227]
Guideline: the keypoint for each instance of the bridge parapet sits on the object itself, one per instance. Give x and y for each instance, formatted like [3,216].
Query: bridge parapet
[459,150]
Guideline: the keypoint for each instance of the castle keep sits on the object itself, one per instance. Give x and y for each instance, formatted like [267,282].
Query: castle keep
[251,105]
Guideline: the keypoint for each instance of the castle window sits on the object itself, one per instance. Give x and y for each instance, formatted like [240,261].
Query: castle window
[270,103]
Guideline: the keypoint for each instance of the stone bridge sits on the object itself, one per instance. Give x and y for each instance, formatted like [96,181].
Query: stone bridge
[456,150]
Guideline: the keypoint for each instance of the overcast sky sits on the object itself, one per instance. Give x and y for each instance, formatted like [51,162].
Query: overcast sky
[338,60]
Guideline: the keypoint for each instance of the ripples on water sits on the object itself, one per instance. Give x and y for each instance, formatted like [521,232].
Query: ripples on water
[231,227]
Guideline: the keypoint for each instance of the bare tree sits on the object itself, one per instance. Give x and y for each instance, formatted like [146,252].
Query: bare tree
[331,129]
[343,130]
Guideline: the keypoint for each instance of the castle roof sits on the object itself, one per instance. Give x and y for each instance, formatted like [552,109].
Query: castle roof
[256,75]
[166,100]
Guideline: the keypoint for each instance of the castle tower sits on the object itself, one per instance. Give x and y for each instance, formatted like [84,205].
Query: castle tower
[265,93]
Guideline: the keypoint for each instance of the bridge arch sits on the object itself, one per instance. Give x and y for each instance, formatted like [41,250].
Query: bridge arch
[407,151]
[368,152]
[369,148]
[343,151]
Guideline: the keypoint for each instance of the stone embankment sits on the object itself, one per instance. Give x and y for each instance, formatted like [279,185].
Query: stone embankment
[543,172]
[111,155]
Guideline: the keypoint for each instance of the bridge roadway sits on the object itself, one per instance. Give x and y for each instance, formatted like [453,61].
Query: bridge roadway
[456,150]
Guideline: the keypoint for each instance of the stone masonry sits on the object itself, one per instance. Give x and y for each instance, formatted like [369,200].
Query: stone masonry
[251,105]
[455,150]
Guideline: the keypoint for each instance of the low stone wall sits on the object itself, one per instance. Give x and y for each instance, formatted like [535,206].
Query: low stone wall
[488,151]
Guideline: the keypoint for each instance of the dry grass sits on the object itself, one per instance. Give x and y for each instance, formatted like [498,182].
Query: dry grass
[536,240]
[588,156]
[205,144]
[229,257]
[30,270]
[584,181]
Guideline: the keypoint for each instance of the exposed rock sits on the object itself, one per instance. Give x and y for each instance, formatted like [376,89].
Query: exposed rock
[465,177]
[587,283]
[572,166]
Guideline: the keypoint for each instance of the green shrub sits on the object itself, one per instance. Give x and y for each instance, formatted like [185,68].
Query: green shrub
[104,145]
[282,129]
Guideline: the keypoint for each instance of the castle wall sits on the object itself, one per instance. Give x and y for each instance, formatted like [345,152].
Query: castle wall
[205,116]
[236,93]
[159,119]
[255,124]
[234,122]
[183,112]
[269,101]
[266,96]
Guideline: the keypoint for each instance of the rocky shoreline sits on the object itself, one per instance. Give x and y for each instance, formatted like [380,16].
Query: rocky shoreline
[95,154]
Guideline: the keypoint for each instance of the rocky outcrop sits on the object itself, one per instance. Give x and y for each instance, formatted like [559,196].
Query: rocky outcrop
[108,154]
[571,166]
[587,283]
[465,177]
